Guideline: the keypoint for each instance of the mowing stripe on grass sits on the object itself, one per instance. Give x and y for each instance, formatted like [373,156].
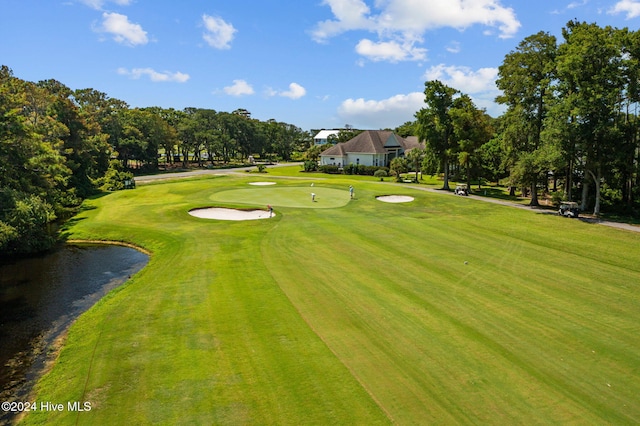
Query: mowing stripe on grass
[442,310]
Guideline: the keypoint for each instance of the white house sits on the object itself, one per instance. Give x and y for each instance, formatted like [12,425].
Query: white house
[323,136]
[369,148]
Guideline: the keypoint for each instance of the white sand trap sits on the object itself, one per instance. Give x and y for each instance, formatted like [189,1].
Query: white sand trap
[262,183]
[395,198]
[230,214]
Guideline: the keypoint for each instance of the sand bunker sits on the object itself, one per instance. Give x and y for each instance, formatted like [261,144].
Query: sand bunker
[395,198]
[262,183]
[230,214]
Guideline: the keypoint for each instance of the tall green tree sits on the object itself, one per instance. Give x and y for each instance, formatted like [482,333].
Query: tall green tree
[590,64]
[409,128]
[492,158]
[435,124]
[472,129]
[526,79]
[139,134]
[292,137]
[168,140]
[345,135]
[204,121]
[414,158]
[85,147]
[33,173]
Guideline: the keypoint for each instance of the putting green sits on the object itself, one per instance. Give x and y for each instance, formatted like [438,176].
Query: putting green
[285,196]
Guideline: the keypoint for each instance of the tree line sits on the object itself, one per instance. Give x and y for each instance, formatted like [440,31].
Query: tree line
[571,121]
[59,146]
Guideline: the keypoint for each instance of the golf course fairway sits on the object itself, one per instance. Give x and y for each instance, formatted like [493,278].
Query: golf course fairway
[442,310]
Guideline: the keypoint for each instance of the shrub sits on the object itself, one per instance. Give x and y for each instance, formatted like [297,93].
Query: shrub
[329,168]
[351,169]
[557,198]
[361,169]
[381,173]
[310,166]
[367,170]
[116,178]
[24,225]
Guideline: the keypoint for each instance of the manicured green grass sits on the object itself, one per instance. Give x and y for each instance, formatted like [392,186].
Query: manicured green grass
[443,310]
[285,196]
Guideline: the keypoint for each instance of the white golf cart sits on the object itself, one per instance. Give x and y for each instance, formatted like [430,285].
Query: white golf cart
[461,190]
[569,209]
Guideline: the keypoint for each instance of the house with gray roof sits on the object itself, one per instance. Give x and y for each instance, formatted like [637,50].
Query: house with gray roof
[369,148]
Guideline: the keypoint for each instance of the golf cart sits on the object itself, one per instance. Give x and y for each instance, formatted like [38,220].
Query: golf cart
[569,209]
[461,190]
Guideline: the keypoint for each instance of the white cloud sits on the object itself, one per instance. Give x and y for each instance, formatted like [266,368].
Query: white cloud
[295,91]
[630,7]
[393,111]
[464,78]
[454,47]
[577,4]
[380,114]
[219,33]
[270,92]
[98,4]
[573,5]
[431,14]
[239,88]
[349,14]
[400,24]
[479,84]
[391,51]
[122,30]
[155,76]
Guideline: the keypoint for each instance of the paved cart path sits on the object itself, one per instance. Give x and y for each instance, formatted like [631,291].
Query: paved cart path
[588,219]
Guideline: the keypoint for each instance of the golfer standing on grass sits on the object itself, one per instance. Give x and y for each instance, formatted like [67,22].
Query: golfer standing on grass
[270,210]
[313,196]
[351,191]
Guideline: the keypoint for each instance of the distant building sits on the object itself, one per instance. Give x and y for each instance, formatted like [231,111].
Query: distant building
[322,137]
[369,148]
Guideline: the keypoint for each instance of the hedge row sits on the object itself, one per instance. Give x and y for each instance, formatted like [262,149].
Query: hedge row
[352,169]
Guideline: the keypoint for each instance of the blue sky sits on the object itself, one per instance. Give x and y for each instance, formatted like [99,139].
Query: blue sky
[316,64]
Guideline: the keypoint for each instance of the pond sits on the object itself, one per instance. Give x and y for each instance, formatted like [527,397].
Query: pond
[41,296]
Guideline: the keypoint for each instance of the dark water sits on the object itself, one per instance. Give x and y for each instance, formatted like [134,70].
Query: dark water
[40,297]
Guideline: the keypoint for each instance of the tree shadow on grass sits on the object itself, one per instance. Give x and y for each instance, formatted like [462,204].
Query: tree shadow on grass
[498,193]
[64,226]
[621,218]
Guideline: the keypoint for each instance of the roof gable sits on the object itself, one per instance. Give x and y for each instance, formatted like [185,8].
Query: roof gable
[393,141]
[335,150]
